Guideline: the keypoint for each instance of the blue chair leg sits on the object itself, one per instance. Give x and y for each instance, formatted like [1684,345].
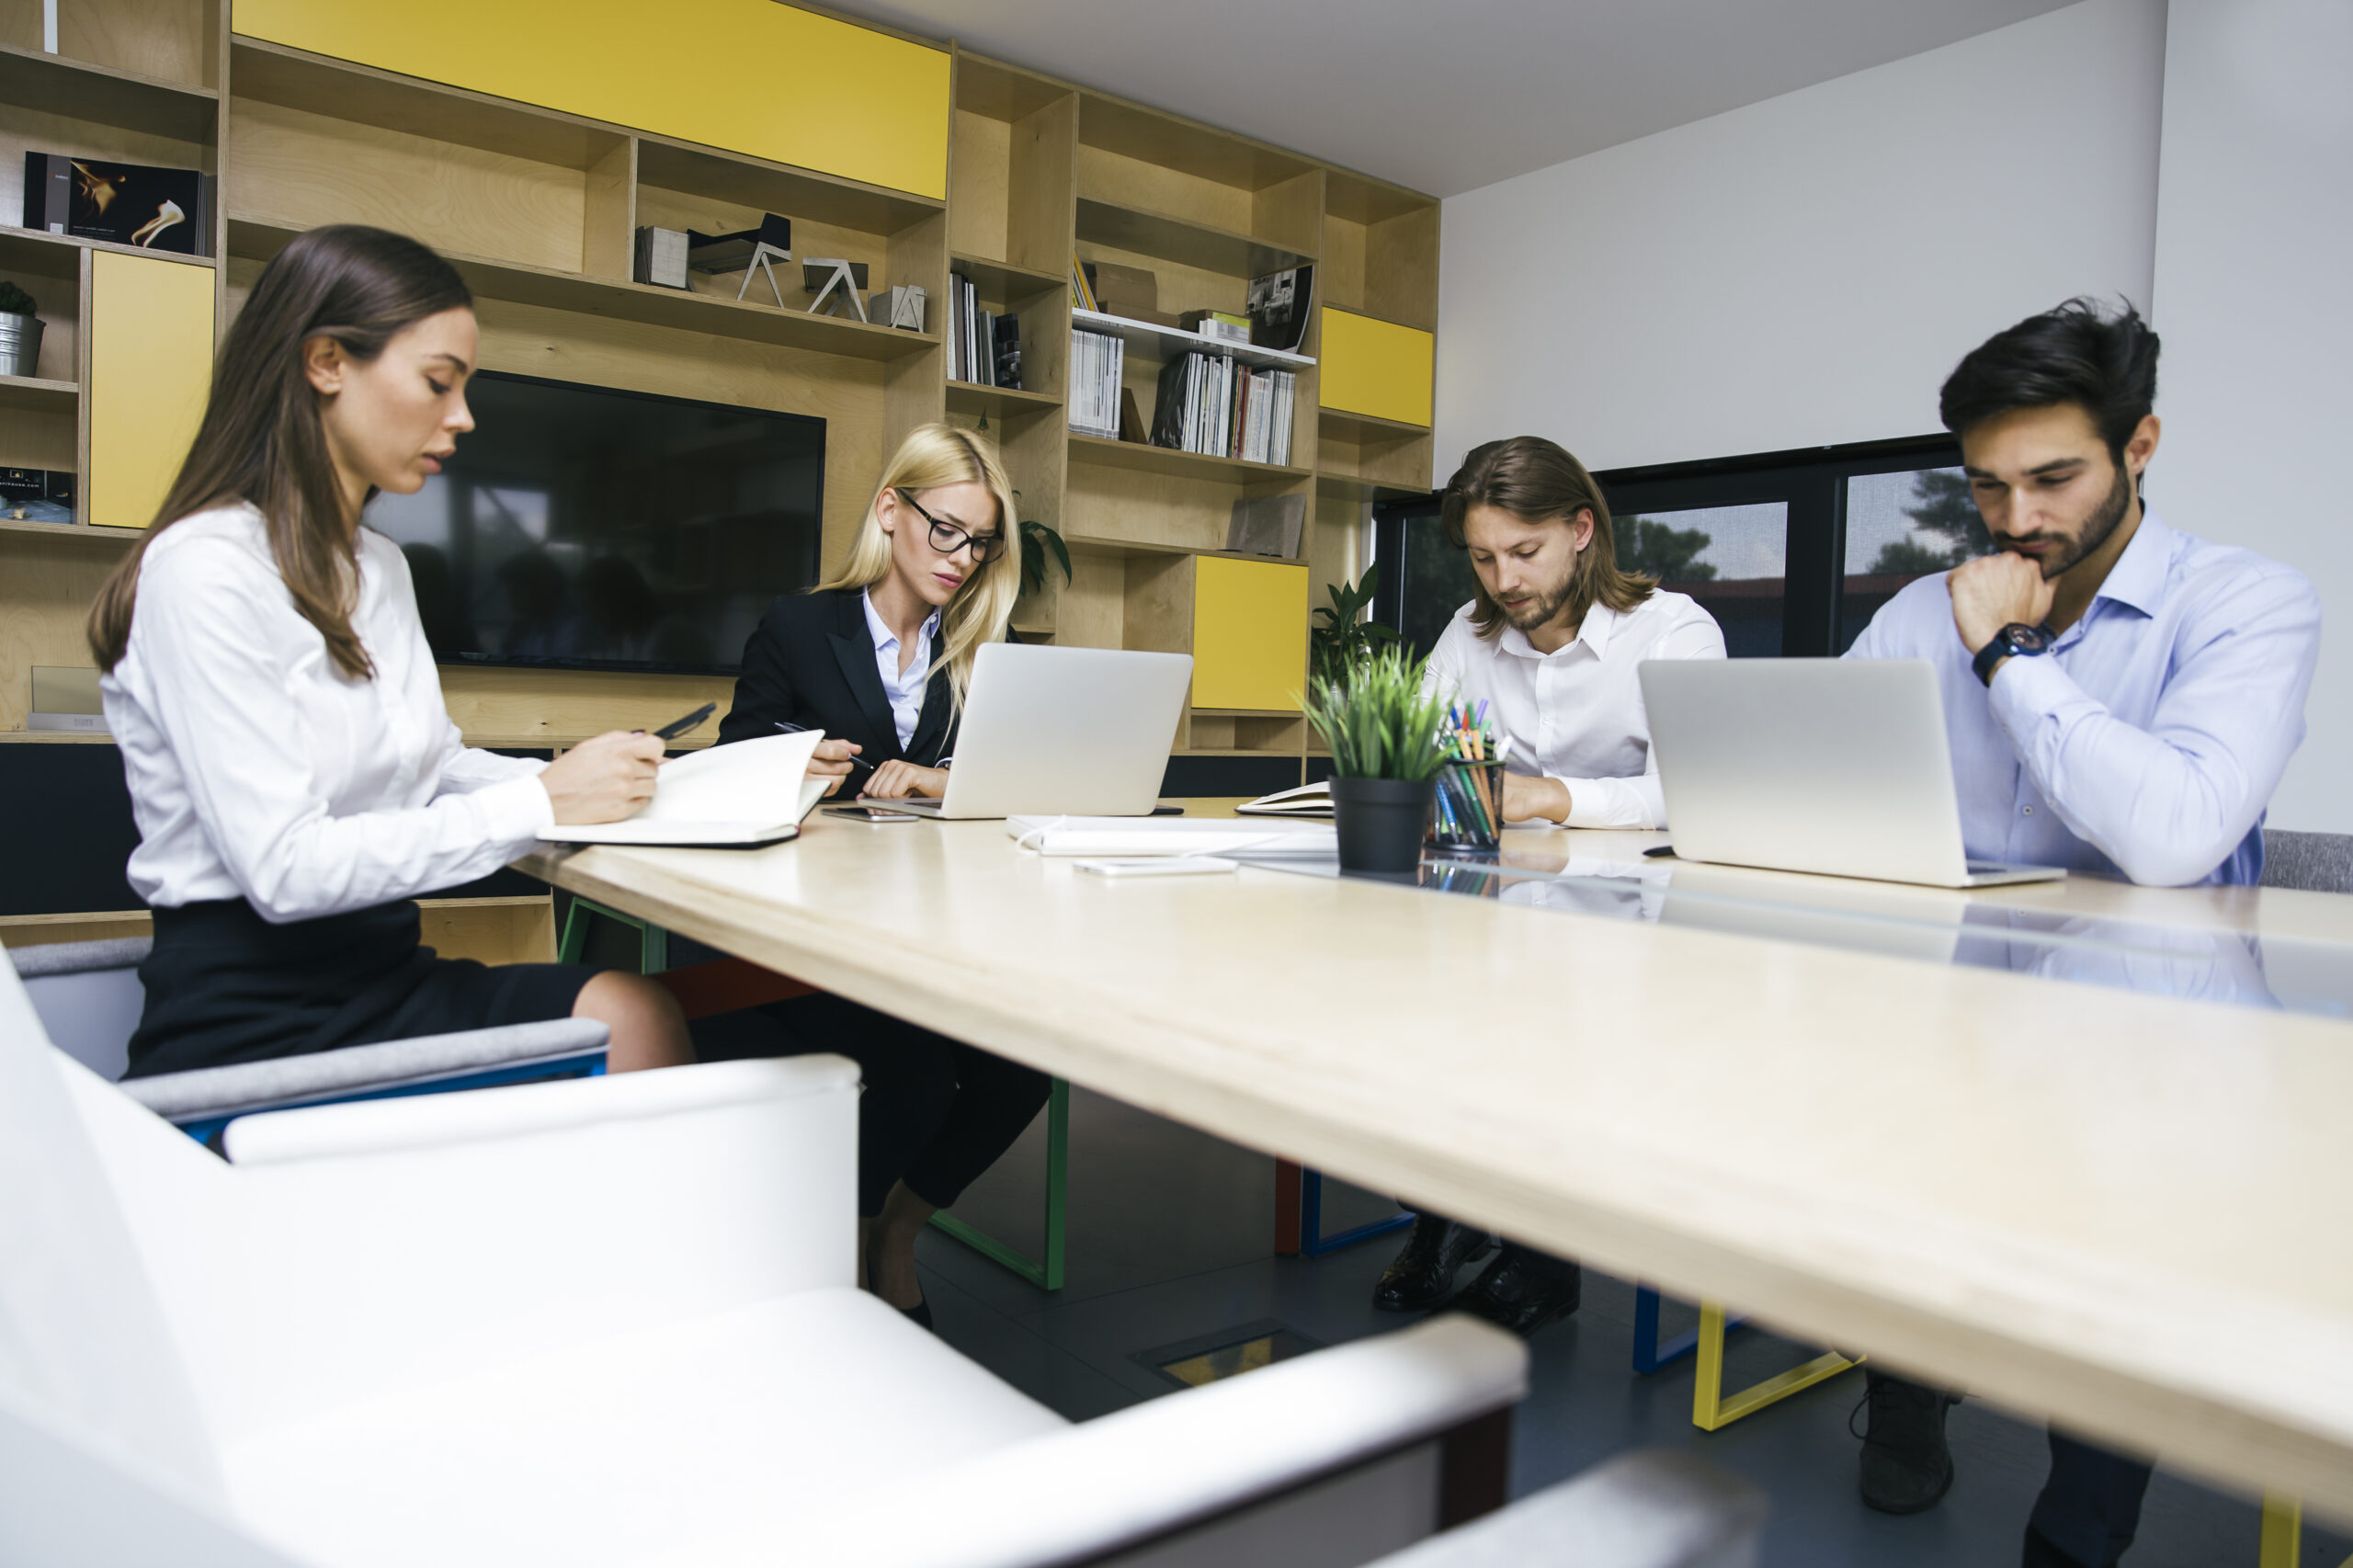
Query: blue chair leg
[1649,1356]
[1313,1242]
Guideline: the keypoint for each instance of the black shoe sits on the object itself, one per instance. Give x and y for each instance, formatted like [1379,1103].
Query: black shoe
[2040,1554]
[1523,1291]
[1422,1273]
[1907,1466]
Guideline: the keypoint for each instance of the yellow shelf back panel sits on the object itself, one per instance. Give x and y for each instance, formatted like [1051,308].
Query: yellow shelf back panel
[1376,368]
[747,75]
[150,369]
[1249,634]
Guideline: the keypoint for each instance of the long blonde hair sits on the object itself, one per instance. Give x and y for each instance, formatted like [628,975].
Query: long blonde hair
[933,456]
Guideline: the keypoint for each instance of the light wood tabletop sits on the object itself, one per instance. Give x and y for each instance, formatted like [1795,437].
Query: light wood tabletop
[2128,1210]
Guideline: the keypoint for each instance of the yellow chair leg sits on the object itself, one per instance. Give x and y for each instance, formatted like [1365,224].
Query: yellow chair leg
[1711,1411]
[2283,1532]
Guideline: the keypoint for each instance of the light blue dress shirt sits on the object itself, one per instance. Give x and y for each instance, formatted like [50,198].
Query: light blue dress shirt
[905,691]
[2149,740]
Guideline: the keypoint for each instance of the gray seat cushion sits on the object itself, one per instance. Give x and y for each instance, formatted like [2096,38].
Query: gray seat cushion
[2315,862]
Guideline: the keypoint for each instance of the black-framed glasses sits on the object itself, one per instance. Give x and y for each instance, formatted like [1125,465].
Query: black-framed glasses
[947,538]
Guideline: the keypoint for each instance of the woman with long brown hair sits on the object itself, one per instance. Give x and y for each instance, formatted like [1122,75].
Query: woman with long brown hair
[295,776]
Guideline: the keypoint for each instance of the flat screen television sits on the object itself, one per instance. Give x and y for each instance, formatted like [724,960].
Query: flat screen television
[590,529]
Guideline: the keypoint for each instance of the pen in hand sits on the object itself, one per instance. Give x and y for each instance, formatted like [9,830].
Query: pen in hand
[680,725]
[800,729]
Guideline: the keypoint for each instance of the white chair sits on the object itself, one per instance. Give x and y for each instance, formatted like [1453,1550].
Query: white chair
[600,1322]
[1657,1508]
[89,999]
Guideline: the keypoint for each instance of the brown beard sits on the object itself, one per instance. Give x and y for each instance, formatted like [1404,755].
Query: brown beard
[2096,527]
[1547,604]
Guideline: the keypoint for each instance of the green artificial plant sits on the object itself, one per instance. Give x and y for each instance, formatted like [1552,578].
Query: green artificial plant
[1344,637]
[1375,720]
[1037,539]
[15,302]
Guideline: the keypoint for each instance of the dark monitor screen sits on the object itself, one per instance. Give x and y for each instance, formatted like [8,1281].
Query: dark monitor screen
[592,528]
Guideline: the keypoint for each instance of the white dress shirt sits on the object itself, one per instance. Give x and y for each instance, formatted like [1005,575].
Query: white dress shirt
[904,690]
[259,770]
[1576,715]
[2149,739]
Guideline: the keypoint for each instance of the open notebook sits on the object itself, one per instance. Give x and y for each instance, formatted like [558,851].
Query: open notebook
[748,793]
[1304,801]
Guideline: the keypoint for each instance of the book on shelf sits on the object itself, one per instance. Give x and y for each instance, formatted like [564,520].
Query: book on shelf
[1267,525]
[1082,289]
[1097,360]
[1222,325]
[1281,303]
[1005,367]
[126,204]
[1212,405]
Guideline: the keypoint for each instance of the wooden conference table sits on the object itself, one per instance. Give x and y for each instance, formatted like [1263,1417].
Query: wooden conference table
[2059,1145]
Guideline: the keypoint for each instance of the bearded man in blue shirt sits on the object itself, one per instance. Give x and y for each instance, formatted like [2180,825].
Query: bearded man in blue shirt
[2122,697]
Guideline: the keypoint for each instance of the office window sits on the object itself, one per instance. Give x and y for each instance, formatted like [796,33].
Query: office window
[1901,527]
[1425,579]
[1733,559]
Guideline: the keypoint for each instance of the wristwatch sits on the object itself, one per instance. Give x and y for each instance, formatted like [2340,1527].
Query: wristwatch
[2016,639]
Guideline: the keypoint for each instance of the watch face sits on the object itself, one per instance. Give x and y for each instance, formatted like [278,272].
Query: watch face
[2027,638]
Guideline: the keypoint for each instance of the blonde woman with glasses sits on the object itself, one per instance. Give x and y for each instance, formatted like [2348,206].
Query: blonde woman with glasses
[880,656]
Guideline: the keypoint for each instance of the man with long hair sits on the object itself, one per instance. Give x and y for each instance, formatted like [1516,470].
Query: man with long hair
[1549,644]
[2122,697]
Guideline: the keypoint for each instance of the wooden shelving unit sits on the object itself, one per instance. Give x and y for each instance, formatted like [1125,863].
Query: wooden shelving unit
[537,208]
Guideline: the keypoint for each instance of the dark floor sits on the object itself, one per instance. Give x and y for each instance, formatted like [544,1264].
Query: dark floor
[1170,1238]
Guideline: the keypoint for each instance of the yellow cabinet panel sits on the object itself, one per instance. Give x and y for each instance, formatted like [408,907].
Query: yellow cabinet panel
[150,369]
[1372,367]
[1249,634]
[747,75]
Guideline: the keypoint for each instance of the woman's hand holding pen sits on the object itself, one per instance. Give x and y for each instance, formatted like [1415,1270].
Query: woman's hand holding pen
[603,779]
[834,759]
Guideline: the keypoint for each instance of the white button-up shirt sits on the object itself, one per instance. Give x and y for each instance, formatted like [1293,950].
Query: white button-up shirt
[1576,715]
[904,690]
[2149,739]
[259,770]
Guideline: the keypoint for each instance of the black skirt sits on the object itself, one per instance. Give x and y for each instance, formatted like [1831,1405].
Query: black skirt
[225,985]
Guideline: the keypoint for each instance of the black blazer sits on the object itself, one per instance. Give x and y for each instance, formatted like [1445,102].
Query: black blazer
[811,663]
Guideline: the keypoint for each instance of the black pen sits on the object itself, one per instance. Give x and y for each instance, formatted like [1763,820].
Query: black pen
[680,726]
[803,728]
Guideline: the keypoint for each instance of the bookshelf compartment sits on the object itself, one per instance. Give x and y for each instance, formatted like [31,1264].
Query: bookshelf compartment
[47,581]
[71,88]
[1241,734]
[52,275]
[257,237]
[303,168]
[1380,251]
[1162,236]
[1136,457]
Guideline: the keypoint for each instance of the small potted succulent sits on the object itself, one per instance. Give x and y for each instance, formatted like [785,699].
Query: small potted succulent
[19,332]
[1384,736]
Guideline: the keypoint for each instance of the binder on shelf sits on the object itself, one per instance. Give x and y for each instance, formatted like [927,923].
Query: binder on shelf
[661,258]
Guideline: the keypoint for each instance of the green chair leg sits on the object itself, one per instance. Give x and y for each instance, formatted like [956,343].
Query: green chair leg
[1047,1275]
[652,946]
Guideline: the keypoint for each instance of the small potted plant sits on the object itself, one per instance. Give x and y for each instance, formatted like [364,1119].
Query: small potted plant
[19,332]
[1384,736]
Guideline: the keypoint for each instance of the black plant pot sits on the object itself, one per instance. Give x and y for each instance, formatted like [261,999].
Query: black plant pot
[1381,822]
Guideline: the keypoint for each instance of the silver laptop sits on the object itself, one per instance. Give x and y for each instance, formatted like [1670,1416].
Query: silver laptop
[1082,732]
[1832,765]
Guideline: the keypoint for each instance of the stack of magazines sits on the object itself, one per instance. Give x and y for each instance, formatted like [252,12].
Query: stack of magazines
[1096,359]
[1210,404]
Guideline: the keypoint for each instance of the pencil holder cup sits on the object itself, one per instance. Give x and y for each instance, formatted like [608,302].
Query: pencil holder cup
[1380,823]
[1468,808]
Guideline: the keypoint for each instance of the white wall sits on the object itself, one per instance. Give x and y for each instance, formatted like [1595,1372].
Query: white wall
[2255,230]
[1808,270]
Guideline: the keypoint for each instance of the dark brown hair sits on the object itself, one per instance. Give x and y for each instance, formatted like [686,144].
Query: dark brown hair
[261,440]
[1536,480]
[2104,362]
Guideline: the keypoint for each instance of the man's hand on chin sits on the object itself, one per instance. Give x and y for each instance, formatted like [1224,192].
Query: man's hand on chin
[1993,592]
